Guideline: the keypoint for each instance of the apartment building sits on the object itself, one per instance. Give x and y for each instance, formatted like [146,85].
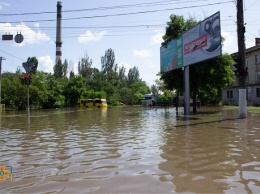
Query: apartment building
[230,94]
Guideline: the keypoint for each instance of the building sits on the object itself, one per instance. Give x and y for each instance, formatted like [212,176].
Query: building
[230,94]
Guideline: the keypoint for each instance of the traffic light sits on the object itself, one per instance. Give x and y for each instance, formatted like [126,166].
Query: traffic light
[244,71]
[237,71]
[30,79]
[25,79]
[240,71]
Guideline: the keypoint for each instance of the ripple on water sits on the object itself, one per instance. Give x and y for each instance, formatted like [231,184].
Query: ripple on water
[132,149]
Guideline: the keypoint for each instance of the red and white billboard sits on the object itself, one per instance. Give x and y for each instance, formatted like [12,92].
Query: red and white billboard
[203,41]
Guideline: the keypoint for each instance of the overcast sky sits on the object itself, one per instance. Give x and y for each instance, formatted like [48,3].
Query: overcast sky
[133,29]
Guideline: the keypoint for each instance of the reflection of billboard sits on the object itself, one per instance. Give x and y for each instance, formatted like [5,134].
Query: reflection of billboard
[200,43]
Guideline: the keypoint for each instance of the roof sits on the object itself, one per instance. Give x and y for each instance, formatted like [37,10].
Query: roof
[251,49]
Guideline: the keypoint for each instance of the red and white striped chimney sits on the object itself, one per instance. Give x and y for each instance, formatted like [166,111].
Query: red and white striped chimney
[58,34]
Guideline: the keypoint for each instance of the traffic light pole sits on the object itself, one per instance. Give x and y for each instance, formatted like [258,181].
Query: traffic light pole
[28,102]
[241,55]
[1,58]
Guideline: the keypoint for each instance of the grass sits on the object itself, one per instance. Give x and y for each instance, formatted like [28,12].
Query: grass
[253,109]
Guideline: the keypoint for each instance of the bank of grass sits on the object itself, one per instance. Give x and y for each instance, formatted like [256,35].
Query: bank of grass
[253,109]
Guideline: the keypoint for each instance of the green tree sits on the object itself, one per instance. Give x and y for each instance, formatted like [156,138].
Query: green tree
[35,64]
[14,93]
[108,61]
[60,70]
[133,75]
[72,74]
[84,66]
[57,70]
[122,76]
[74,90]
[65,68]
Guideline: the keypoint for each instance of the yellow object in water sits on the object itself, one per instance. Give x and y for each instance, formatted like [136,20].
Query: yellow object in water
[90,103]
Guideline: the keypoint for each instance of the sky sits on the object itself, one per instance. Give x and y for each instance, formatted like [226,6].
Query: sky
[133,29]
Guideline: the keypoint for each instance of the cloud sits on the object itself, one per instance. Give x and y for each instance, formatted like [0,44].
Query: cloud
[230,43]
[91,36]
[142,53]
[3,5]
[157,38]
[45,64]
[126,65]
[29,36]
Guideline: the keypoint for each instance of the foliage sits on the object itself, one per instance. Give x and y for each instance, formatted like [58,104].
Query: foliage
[56,90]
[60,70]
[35,64]
[84,66]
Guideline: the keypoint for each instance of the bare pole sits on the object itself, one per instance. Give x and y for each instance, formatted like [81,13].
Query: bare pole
[242,58]
[241,41]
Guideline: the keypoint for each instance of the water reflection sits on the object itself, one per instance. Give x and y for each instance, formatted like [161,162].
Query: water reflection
[130,149]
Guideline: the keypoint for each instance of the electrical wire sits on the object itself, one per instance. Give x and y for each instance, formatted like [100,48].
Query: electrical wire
[11,55]
[122,14]
[109,8]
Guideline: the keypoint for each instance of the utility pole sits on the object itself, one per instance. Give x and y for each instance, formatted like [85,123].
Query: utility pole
[1,58]
[241,59]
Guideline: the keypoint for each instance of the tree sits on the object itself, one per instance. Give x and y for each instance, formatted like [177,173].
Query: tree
[72,74]
[84,66]
[207,79]
[35,64]
[122,76]
[133,75]
[74,90]
[60,70]
[57,70]
[177,26]
[108,61]
[14,93]
[65,68]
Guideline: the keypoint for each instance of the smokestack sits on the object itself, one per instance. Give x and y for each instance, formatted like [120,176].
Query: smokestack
[58,34]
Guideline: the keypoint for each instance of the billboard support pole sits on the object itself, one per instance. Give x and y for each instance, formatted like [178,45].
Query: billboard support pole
[186,90]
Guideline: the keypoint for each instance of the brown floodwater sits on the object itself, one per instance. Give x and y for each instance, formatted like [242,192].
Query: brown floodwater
[130,150]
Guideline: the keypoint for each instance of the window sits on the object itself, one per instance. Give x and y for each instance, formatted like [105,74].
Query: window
[257,76]
[257,92]
[229,94]
[257,59]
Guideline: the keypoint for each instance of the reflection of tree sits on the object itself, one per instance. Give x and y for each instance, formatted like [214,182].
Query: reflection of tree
[203,157]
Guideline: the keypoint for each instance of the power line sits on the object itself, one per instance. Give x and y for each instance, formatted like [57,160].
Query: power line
[123,14]
[105,8]
[11,55]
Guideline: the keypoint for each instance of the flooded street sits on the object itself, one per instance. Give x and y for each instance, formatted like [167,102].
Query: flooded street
[130,150]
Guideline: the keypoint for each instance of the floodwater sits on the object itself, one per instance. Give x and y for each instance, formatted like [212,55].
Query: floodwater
[130,150]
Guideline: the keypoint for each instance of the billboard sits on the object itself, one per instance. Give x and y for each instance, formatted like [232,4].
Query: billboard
[171,55]
[198,44]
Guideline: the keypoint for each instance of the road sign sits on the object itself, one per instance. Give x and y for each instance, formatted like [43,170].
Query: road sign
[7,37]
[18,38]
[28,66]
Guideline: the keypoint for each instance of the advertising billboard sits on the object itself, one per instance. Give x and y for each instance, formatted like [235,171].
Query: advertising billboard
[203,41]
[198,44]
[171,55]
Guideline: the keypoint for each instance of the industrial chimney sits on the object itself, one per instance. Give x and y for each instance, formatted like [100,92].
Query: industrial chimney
[58,34]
